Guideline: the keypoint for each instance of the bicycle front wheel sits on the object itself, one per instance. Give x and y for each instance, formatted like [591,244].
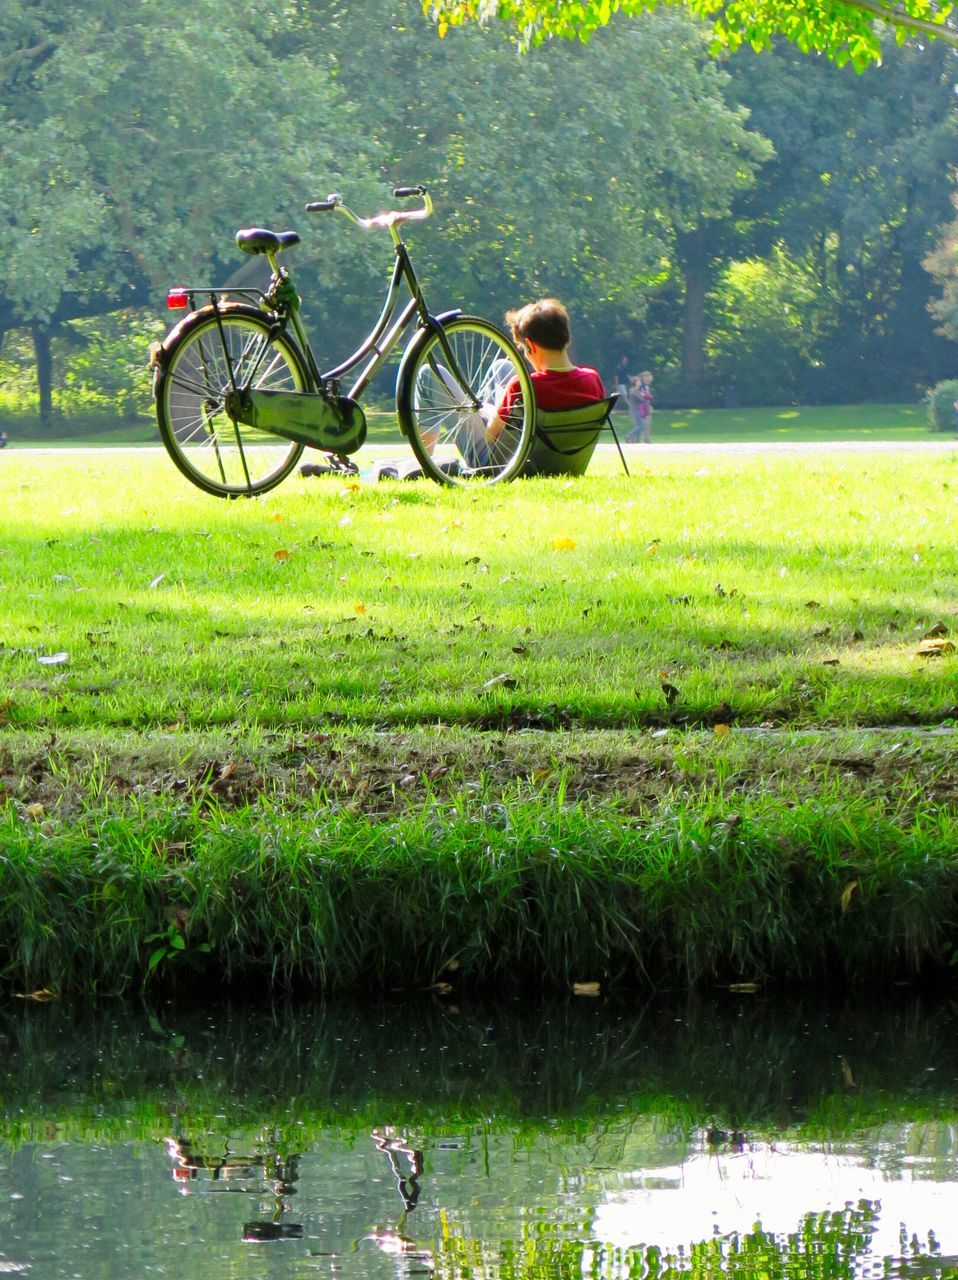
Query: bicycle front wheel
[219,455]
[449,390]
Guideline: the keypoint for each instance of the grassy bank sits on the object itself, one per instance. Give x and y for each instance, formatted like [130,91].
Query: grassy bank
[692,726]
[369,861]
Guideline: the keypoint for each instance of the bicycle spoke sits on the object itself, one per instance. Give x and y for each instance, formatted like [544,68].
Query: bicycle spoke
[450,397]
[219,454]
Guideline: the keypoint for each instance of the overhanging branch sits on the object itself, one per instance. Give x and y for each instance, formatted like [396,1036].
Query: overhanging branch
[899,18]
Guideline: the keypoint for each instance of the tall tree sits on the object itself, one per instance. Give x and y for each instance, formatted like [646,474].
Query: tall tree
[942,264]
[132,147]
[574,172]
[860,184]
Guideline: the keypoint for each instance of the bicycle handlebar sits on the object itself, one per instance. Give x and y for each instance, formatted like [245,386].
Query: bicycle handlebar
[387,219]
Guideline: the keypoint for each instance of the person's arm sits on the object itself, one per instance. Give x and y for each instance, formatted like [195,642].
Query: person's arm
[496,422]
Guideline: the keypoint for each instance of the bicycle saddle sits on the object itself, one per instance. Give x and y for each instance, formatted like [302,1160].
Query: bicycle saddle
[256,240]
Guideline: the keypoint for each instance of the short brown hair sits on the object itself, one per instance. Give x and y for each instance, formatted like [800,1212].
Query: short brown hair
[545,322]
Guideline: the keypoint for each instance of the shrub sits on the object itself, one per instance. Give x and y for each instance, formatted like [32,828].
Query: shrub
[941,405]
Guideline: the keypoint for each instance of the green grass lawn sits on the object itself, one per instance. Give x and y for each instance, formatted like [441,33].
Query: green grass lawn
[691,426]
[792,591]
[794,423]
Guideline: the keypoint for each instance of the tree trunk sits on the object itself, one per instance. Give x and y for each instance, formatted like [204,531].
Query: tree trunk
[693,331]
[44,361]
[695,265]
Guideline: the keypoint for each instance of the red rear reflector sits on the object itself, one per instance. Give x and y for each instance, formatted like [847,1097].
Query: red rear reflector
[177,299]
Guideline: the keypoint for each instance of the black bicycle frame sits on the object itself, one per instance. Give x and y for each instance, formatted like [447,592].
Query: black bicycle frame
[380,341]
[382,338]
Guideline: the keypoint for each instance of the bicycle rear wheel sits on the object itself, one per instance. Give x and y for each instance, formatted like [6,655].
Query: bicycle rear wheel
[449,389]
[221,456]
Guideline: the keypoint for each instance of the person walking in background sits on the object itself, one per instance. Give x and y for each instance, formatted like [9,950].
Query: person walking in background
[3,439]
[640,407]
[620,378]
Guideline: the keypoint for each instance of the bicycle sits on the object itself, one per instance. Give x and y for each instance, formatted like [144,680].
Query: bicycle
[239,393]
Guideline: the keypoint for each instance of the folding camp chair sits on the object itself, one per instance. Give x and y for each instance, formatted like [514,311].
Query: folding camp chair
[565,439]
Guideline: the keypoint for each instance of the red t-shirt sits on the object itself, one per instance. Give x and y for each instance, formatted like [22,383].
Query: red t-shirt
[557,389]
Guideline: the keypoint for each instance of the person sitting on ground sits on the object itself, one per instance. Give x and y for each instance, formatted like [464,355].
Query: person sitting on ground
[542,330]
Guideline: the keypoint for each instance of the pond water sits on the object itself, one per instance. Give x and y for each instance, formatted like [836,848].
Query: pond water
[578,1140]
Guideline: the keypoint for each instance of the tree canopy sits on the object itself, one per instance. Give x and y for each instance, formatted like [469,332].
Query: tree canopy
[844,30]
[753,225]
[126,150]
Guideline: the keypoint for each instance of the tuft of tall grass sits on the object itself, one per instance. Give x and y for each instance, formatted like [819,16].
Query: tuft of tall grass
[526,890]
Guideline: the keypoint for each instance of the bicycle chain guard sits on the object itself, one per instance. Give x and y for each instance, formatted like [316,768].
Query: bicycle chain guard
[316,418]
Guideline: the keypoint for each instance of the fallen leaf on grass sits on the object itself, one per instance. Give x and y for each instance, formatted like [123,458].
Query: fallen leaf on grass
[939,629]
[359,608]
[53,659]
[671,694]
[721,730]
[847,894]
[41,995]
[282,554]
[586,988]
[563,544]
[652,547]
[227,772]
[934,648]
[744,988]
[157,580]
[831,662]
[503,681]
[172,849]
[5,708]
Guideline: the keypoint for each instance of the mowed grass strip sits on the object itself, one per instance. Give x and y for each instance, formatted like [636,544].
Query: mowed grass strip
[782,423]
[792,591]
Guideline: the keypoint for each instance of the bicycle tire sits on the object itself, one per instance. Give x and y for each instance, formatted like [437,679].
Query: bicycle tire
[220,456]
[443,426]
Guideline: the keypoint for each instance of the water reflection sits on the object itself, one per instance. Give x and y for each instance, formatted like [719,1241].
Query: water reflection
[262,1169]
[714,1140]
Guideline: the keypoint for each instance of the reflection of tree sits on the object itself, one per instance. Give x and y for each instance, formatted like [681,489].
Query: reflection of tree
[826,1245]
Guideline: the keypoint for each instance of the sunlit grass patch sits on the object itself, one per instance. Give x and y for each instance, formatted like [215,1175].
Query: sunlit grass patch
[793,590]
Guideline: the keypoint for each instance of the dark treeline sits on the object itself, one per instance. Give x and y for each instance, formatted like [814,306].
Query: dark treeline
[755,229]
